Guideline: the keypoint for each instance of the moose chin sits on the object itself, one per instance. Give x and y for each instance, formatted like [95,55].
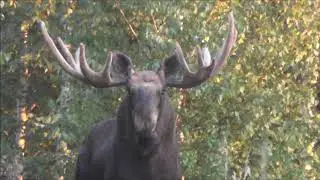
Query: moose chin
[141,142]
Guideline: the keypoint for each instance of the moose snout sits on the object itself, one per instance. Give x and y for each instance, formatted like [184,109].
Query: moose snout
[146,122]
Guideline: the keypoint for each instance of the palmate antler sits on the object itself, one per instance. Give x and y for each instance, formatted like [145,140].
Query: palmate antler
[117,68]
[207,67]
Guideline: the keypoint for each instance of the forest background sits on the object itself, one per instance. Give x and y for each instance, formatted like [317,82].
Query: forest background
[256,119]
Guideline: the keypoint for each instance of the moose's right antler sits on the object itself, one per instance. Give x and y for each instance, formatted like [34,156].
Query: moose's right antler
[116,70]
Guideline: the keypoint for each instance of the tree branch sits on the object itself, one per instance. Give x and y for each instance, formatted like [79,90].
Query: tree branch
[126,20]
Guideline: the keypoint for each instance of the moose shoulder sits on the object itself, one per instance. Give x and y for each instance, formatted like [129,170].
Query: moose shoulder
[141,142]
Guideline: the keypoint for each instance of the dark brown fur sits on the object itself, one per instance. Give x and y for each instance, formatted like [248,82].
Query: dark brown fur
[113,150]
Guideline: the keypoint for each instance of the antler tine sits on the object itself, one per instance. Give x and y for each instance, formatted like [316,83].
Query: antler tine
[181,59]
[77,61]
[191,79]
[227,45]
[98,79]
[67,65]
[204,58]
[65,51]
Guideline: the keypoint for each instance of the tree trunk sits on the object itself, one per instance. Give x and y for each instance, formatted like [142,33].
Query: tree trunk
[22,112]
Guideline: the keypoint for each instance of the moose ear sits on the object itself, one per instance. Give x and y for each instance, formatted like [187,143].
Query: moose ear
[170,67]
[120,67]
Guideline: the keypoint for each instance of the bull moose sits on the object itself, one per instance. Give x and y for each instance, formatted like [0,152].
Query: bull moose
[141,142]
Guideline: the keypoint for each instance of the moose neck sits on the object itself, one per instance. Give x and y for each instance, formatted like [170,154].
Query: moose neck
[165,128]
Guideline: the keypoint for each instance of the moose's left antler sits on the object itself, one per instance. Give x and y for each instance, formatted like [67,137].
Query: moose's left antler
[207,67]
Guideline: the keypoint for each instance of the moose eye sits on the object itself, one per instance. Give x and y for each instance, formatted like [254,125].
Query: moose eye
[131,92]
[163,91]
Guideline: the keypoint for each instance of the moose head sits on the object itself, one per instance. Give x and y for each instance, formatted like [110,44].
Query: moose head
[145,119]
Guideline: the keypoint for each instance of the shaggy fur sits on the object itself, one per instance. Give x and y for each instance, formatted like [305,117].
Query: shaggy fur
[115,151]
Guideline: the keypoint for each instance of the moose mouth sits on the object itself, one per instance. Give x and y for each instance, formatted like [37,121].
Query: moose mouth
[147,143]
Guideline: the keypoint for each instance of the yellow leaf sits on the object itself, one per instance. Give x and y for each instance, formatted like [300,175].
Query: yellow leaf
[308,167]
[70,11]
[241,38]
[218,80]
[23,116]
[241,89]
[310,149]
[238,66]
[290,150]
[24,27]
[13,3]
[21,143]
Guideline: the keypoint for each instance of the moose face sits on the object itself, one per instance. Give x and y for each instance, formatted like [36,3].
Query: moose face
[145,93]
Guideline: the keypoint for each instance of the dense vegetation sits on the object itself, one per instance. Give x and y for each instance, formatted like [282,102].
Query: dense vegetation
[256,119]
